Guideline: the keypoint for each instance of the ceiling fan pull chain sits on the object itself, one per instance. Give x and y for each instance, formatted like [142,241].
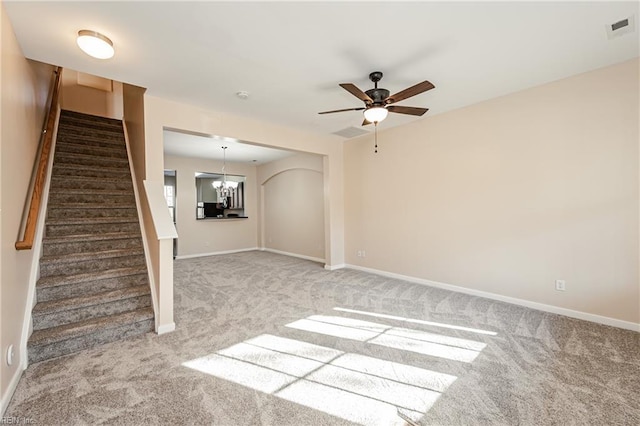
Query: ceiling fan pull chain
[375,134]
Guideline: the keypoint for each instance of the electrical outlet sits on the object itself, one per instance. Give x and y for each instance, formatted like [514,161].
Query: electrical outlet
[364,253]
[561,285]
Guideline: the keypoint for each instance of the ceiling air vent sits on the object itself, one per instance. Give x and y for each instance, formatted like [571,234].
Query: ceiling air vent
[622,27]
[351,132]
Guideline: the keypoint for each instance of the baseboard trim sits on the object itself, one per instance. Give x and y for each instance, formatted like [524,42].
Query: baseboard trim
[335,267]
[166,328]
[13,384]
[613,322]
[299,256]
[215,253]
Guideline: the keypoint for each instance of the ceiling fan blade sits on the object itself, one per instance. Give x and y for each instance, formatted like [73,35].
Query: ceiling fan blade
[366,122]
[407,110]
[342,110]
[351,88]
[409,92]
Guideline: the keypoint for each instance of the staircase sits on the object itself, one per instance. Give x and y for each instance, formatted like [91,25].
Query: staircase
[93,285]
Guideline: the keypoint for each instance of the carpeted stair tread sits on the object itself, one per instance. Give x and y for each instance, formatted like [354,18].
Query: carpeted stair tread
[80,129]
[69,331]
[121,205]
[115,179]
[115,151]
[91,237]
[59,305]
[85,191]
[92,220]
[90,141]
[58,280]
[88,118]
[82,183]
[73,127]
[64,157]
[77,169]
[89,212]
[91,255]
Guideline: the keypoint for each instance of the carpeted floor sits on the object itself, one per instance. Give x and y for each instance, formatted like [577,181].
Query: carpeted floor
[264,339]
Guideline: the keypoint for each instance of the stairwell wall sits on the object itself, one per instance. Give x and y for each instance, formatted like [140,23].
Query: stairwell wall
[24,87]
[106,101]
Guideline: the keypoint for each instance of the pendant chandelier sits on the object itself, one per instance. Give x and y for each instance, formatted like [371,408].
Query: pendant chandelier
[224,188]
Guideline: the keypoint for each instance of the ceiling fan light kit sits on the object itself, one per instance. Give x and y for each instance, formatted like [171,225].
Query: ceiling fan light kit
[375,114]
[378,103]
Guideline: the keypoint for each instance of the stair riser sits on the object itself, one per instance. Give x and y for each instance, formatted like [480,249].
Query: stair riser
[116,151]
[70,268]
[71,183]
[55,319]
[44,294]
[62,213]
[63,197]
[53,350]
[89,161]
[58,249]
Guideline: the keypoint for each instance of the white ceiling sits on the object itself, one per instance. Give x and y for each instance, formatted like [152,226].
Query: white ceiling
[290,56]
[210,147]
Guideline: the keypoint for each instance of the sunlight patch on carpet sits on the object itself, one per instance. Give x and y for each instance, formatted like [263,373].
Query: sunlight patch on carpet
[354,387]
[418,341]
[417,321]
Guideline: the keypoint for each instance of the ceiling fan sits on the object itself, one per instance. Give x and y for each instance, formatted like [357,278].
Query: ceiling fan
[378,103]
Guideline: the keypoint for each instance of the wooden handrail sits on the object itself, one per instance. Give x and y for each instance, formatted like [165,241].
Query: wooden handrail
[40,177]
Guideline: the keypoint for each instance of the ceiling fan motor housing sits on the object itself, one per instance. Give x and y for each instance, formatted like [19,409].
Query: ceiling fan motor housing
[378,95]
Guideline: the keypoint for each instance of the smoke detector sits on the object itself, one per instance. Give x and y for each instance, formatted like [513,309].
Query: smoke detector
[243,95]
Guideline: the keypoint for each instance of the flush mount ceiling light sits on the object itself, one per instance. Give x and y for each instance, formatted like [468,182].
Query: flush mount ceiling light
[95,44]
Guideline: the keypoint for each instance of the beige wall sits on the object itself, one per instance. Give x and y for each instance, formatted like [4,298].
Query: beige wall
[160,114]
[197,237]
[292,203]
[90,100]
[508,195]
[24,89]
